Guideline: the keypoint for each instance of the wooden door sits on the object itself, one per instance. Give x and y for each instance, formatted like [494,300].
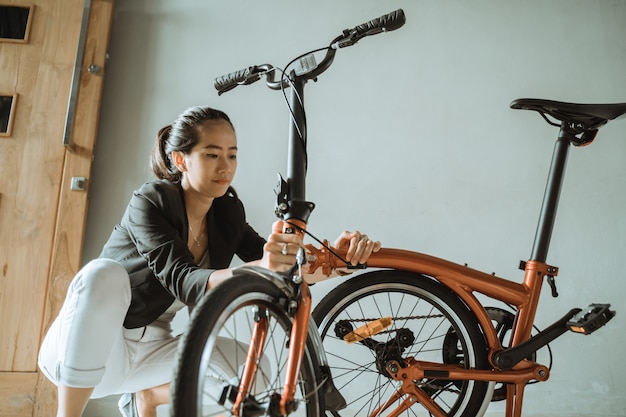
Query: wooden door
[42,219]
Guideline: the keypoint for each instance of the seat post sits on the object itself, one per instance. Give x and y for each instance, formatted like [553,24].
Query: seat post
[551,197]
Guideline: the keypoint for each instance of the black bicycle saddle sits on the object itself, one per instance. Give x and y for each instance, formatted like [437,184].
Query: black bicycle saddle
[591,116]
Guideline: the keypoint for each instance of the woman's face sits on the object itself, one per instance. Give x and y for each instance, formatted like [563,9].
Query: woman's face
[210,166]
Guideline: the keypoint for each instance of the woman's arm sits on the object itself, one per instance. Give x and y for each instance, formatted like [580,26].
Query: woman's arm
[279,253]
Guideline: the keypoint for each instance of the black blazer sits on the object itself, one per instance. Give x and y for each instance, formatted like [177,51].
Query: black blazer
[151,243]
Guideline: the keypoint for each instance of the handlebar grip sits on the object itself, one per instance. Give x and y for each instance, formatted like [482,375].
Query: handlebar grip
[390,21]
[229,81]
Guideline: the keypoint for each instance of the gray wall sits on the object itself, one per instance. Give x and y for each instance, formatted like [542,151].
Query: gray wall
[411,140]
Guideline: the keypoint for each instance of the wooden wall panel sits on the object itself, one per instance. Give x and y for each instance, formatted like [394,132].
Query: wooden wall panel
[42,79]
[41,220]
[72,208]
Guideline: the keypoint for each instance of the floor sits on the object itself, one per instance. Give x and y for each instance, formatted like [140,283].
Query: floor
[107,407]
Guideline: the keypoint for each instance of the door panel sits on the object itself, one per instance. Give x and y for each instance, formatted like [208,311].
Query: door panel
[41,220]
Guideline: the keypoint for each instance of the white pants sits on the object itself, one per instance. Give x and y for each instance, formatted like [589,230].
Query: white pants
[87,345]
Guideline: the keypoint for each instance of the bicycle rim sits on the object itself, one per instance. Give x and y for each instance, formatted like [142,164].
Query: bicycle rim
[430,324]
[213,351]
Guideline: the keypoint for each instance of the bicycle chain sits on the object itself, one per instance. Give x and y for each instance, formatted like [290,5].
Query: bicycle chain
[399,318]
[394,319]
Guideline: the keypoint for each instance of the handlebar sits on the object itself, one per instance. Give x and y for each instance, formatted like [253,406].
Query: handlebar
[386,23]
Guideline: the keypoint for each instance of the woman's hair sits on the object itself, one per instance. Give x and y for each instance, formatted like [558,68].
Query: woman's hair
[182,136]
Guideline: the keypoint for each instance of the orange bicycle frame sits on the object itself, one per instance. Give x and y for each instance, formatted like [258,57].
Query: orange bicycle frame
[465,282]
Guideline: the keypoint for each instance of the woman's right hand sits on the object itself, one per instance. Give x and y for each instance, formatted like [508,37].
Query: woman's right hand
[279,252]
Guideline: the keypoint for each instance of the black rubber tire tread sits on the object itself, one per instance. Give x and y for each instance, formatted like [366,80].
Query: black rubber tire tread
[386,281]
[202,322]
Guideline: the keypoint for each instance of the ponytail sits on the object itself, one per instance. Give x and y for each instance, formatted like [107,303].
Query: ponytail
[160,160]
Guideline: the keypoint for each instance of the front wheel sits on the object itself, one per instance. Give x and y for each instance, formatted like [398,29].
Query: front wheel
[428,323]
[214,347]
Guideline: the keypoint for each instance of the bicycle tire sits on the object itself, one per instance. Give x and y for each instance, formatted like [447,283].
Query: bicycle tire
[447,332]
[213,348]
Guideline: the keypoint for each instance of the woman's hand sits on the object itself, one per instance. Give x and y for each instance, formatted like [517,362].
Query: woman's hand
[360,247]
[279,252]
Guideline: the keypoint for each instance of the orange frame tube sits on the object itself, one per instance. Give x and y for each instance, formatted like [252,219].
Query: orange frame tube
[464,281]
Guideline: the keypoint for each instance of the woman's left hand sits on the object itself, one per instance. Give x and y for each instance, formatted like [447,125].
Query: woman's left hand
[359,245]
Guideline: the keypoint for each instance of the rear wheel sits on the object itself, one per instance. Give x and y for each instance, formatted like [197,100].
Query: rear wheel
[214,347]
[429,323]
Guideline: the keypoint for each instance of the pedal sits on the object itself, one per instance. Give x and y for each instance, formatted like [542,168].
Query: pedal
[591,319]
[368,329]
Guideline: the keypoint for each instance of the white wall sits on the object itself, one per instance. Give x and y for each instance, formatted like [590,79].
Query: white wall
[411,140]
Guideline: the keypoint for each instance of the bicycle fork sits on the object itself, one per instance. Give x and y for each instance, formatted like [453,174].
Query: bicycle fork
[280,405]
[297,342]
[253,358]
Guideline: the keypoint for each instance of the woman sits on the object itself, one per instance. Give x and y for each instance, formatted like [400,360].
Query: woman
[175,241]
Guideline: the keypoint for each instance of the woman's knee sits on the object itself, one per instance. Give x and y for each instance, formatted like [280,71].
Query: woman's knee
[104,279]
[153,397]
